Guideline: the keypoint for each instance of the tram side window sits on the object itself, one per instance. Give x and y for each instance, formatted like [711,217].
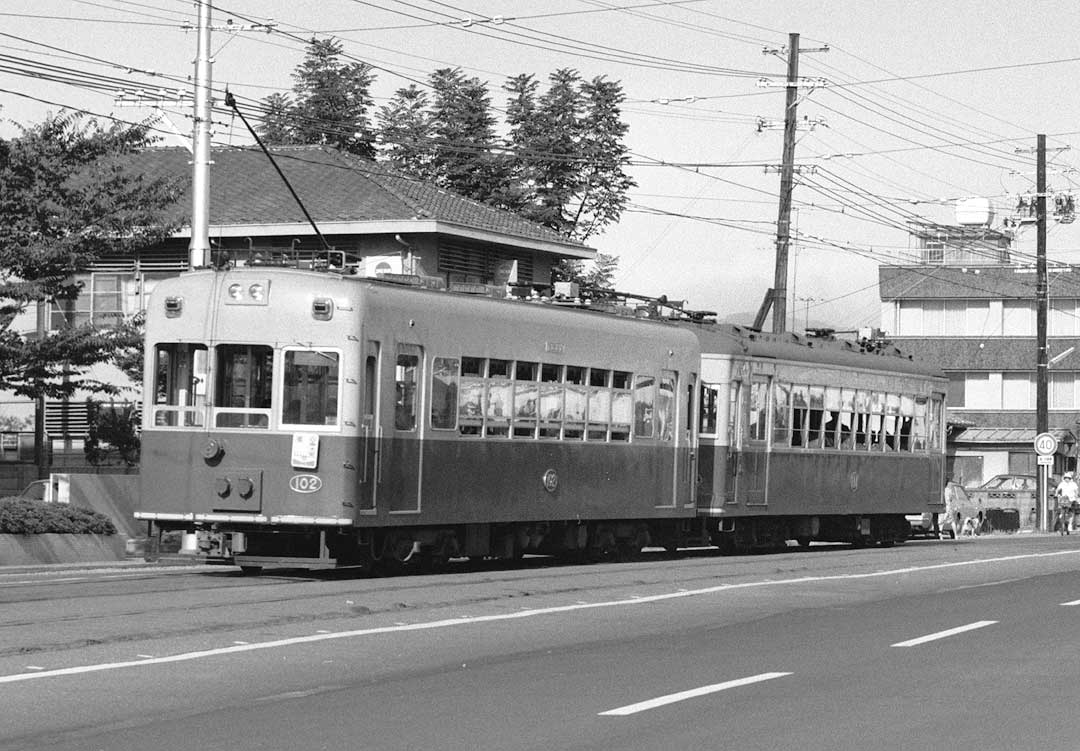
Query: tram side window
[782,414]
[907,415]
[816,416]
[845,435]
[445,372]
[576,400]
[665,407]
[758,411]
[918,424]
[934,423]
[499,398]
[310,392]
[622,405]
[800,413]
[892,422]
[471,396]
[710,397]
[862,420]
[644,406]
[406,381]
[551,400]
[526,398]
[831,425]
[599,407]
[877,421]
[179,385]
[243,384]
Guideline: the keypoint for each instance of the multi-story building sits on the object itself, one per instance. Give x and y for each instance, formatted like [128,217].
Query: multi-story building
[967,303]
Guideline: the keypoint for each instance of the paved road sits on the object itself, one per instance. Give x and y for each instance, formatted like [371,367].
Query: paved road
[928,645]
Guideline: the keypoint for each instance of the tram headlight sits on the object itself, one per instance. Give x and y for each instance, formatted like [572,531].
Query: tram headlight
[251,293]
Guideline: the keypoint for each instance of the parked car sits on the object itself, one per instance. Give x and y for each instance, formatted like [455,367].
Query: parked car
[929,524]
[35,491]
[1009,483]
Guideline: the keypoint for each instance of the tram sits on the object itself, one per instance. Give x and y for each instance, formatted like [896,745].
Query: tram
[814,438]
[305,418]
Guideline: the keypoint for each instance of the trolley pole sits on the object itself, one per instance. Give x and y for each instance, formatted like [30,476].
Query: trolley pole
[1042,417]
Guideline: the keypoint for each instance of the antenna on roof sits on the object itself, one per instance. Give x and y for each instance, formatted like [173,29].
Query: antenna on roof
[230,101]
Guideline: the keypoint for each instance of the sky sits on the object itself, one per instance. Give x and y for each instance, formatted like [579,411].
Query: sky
[908,107]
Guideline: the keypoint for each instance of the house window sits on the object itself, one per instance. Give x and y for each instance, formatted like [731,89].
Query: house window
[1018,318]
[102,302]
[957,390]
[1017,391]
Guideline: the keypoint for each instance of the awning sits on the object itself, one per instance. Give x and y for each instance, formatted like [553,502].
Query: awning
[1014,436]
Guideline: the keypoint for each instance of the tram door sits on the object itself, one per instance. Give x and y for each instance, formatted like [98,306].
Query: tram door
[751,475]
[370,427]
[401,457]
[686,474]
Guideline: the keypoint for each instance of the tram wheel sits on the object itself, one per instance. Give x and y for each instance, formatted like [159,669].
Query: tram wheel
[804,542]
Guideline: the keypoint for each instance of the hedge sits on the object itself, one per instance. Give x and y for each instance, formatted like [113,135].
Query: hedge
[22,516]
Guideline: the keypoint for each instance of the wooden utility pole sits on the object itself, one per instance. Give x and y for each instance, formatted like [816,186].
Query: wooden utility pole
[1042,294]
[787,171]
[199,247]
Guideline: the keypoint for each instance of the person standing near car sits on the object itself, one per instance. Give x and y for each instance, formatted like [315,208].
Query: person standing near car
[1068,498]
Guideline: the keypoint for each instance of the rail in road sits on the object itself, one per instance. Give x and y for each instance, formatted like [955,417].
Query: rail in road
[750,640]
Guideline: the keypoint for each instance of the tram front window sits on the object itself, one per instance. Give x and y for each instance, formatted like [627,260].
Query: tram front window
[310,391]
[179,385]
[242,387]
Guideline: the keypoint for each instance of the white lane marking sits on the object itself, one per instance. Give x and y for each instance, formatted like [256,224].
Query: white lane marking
[1070,604]
[472,620]
[693,693]
[944,634]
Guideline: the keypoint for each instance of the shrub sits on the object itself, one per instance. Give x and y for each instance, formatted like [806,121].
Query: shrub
[22,516]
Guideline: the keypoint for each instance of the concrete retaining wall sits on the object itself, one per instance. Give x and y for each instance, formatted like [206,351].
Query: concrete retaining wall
[23,550]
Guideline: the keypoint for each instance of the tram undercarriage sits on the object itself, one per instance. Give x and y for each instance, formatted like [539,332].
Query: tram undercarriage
[396,549]
[738,535]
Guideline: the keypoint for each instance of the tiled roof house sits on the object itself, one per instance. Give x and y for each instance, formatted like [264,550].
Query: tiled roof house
[377,221]
[970,310]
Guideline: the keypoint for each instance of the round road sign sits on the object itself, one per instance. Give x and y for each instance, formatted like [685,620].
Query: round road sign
[1045,444]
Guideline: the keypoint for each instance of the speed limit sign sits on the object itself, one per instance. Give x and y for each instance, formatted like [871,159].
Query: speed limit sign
[1045,444]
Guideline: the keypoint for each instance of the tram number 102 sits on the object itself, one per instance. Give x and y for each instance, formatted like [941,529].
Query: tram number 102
[305,483]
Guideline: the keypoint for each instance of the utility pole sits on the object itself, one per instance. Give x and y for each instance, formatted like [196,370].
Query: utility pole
[1042,293]
[199,247]
[787,171]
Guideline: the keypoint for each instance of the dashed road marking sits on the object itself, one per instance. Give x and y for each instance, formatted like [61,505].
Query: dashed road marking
[693,693]
[477,620]
[944,634]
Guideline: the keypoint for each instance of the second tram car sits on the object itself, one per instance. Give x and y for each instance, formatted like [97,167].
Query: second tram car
[300,418]
[809,438]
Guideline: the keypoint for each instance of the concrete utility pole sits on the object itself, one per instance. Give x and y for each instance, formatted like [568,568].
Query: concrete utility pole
[787,171]
[199,247]
[1042,294]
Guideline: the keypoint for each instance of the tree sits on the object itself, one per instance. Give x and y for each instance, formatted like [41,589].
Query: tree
[599,274]
[463,155]
[112,434]
[404,126]
[329,105]
[68,195]
[569,156]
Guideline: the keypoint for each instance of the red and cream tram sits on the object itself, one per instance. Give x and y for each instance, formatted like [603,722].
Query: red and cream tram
[300,418]
[814,439]
[304,418]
